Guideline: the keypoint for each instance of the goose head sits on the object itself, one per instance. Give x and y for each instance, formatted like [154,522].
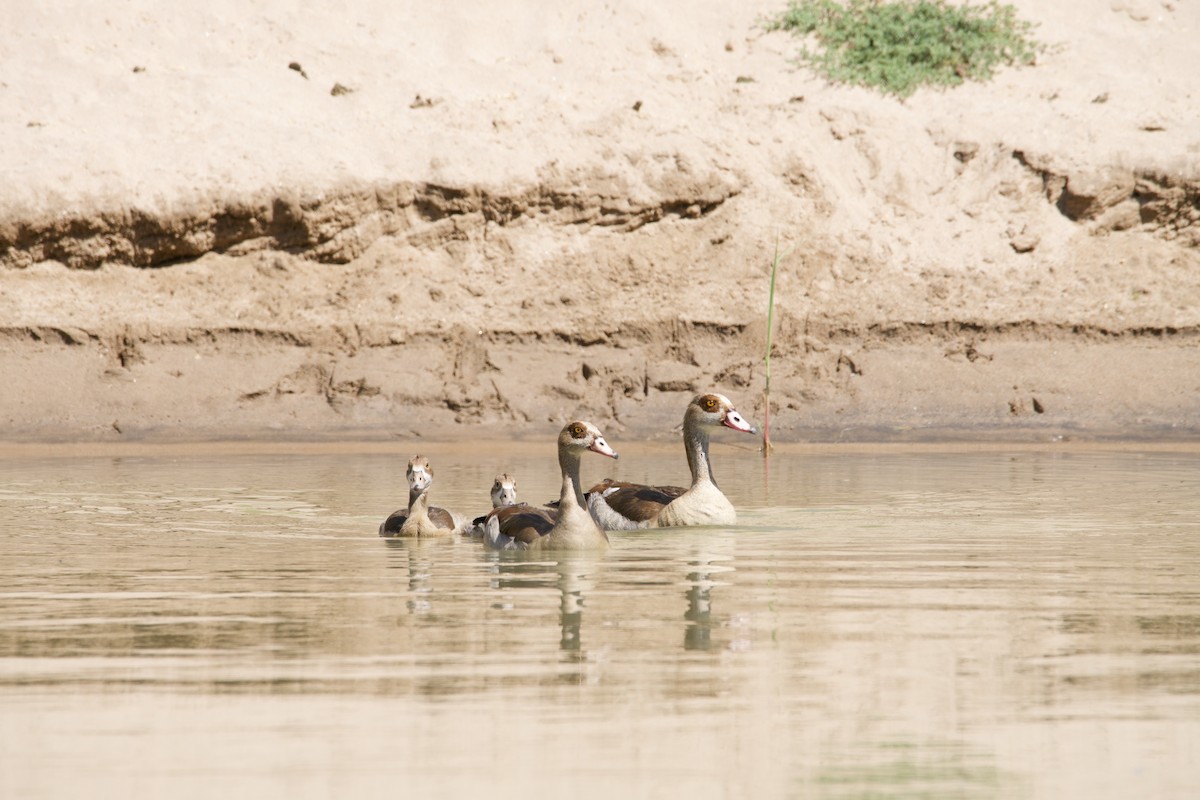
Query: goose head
[715,410]
[504,491]
[580,436]
[420,474]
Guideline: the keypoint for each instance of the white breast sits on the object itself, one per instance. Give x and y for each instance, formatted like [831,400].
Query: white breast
[703,504]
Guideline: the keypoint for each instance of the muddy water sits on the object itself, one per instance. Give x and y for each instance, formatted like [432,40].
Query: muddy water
[933,624]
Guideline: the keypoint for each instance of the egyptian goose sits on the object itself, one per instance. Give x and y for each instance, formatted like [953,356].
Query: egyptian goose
[420,519]
[570,526]
[504,493]
[617,505]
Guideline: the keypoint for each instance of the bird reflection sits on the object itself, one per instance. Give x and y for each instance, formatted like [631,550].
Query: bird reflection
[416,556]
[697,634]
[572,582]
[571,575]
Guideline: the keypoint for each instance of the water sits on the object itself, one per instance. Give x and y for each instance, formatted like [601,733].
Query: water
[900,624]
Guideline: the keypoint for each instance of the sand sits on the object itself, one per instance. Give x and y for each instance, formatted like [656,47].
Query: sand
[395,221]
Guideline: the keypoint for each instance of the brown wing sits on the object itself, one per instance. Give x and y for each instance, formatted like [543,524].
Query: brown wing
[640,503]
[609,483]
[441,517]
[524,523]
[392,525]
[601,487]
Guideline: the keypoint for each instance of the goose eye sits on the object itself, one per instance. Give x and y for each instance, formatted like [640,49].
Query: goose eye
[710,403]
[577,431]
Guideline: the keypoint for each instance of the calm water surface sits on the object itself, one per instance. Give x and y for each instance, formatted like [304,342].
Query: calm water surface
[920,624]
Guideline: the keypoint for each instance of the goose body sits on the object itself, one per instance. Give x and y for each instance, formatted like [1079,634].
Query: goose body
[568,527]
[617,505]
[514,527]
[504,494]
[420,518]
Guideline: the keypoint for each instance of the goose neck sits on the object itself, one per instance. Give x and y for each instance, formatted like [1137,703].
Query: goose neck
[572,493]
[420,504]
[695,441]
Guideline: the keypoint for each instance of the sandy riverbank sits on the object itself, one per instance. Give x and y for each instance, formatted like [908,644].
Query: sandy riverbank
[497,223]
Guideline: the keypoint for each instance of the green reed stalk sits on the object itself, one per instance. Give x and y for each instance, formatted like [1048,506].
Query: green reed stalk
[766,445]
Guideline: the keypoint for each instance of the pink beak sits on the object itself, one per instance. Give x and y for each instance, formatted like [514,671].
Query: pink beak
[600,446]
[734,420]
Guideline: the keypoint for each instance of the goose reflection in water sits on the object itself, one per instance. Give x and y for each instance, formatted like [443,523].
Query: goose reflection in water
[701,568]
[697,634]
[416,557]
[571,575]
[572,582]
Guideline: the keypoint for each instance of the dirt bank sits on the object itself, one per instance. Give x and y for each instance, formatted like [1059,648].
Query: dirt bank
[397,221]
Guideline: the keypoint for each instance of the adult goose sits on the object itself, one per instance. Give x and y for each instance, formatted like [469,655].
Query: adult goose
[420,519]
[570,526]
[504,493]
[617,505]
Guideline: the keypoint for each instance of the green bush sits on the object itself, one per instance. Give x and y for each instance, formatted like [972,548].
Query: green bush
[901,46]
